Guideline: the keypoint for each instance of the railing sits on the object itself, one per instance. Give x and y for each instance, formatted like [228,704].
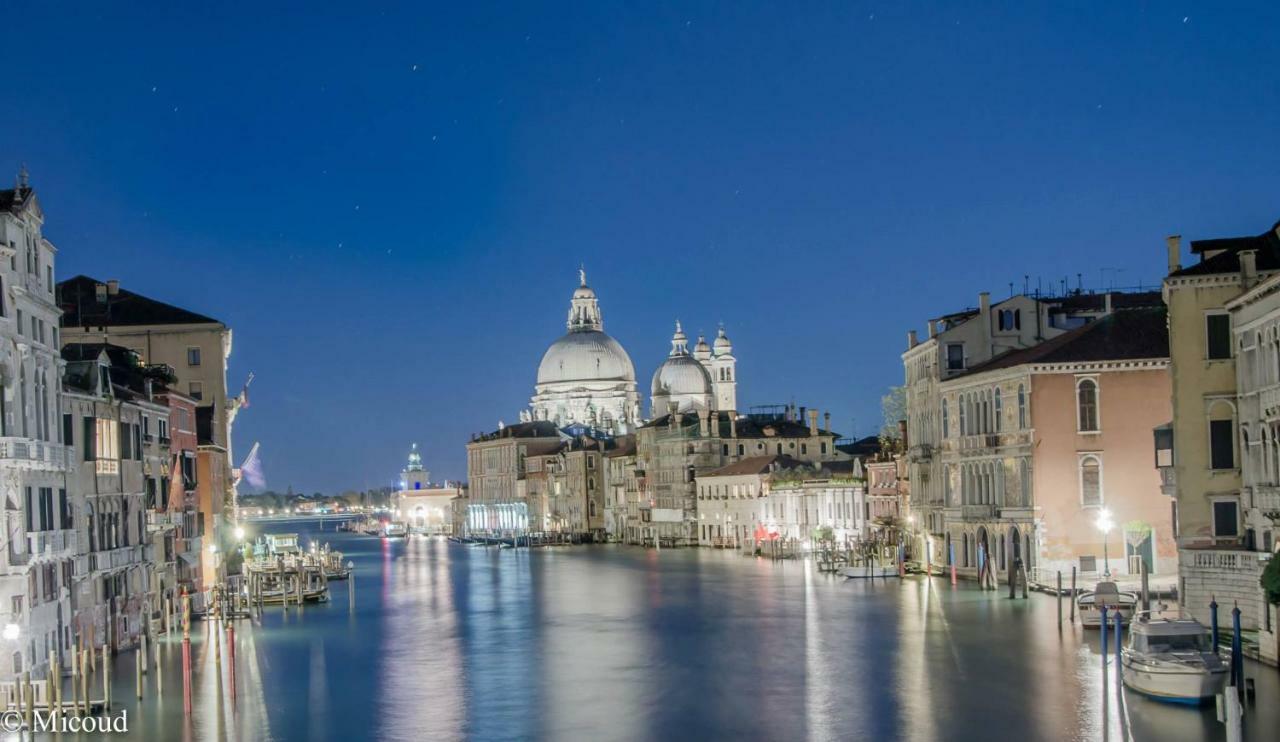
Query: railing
[40,543]
[1267,498]
[1269,402]
[975,512]
[107,466]
[1226,560]
[34,452]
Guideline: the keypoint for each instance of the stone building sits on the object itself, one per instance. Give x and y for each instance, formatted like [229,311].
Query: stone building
[108,395]
[497,501]
[673,450]
[957,342]
[1037,443]
[196,347]
[1217,453]
[762,498]
[182,504]
[421,505]
[40,539]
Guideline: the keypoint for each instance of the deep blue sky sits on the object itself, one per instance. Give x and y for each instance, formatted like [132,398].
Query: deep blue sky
[395,246]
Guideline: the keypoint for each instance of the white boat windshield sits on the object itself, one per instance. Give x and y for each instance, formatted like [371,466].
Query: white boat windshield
[1177,643]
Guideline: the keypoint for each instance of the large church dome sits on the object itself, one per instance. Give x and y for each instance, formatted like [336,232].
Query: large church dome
[585,377]
[586,355]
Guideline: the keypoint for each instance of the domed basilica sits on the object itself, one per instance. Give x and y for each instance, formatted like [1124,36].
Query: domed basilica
[586,378]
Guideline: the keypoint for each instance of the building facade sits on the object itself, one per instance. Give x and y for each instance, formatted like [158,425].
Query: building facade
[38,566]
[422,506]
[1039,443]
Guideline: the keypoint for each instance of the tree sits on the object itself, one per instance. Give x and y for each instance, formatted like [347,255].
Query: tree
[893,408]
[1271,580]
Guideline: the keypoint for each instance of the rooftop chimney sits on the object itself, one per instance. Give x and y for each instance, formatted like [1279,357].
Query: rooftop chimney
[984,311]
[933,328]
[813,422]
[1174,243]
[911,339]
[826,421]
[113,287]
[1248,268]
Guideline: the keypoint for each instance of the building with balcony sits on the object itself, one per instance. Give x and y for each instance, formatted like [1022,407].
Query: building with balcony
[196,347]
[672,451]
[1223,359]
[1037,443]
[181,504]
[763,498]
[38,566]
[957,342]
[107,395]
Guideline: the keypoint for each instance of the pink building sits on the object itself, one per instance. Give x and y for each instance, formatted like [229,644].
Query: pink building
[1042,445]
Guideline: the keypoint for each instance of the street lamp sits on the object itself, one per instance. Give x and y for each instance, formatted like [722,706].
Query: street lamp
[239,533]
[1104,524]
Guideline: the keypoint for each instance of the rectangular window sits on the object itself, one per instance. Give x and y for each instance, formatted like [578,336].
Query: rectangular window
[1226,519]
[31,510]
[1221,447]
[1218,335]
[66,429]
[107,439]
[64,508]
[955,356]
[196,390]
[90,446]
[193,356]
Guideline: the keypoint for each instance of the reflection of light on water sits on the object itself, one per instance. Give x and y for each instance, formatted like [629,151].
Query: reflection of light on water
[318,694]
[915,618]
[818,682]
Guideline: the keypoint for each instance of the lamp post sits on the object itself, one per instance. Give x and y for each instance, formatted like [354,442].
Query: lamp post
[1105,524]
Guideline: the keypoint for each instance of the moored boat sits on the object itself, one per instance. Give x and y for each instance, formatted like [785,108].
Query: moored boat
[1173,660]
[1091,602]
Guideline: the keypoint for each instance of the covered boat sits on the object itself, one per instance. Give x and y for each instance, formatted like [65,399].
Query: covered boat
[1173,660]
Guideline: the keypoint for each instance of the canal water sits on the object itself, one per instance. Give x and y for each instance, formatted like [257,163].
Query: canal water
[618,643]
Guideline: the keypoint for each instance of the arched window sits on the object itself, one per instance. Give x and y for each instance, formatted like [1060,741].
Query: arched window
[1024,482]
[1090,480]
[1222,453]
[999,410]
[1022,407]
[964,416]
[1087,406]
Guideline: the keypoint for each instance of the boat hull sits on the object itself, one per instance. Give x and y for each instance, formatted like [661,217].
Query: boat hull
[1174,685]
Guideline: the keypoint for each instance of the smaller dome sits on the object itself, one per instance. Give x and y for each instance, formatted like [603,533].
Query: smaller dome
[722,344]
[584,292]
[702,351]
[680,375]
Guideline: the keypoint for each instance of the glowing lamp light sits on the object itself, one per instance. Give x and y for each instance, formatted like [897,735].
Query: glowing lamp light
[239,533]
[1104,522]
[11,631]
[213,548]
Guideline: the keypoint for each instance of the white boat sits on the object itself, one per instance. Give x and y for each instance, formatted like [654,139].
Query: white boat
[394,530]
[1173,660]
[1091,602]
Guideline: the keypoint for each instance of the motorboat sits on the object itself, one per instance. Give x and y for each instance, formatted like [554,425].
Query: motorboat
[394,530]
[1173,660]
[1105,594]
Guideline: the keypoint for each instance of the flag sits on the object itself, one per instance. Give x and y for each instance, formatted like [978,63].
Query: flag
[251,469]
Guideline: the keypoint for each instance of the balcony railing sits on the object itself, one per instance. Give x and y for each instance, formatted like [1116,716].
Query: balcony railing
[1267,499]
[1269,402]
[1234,560]
[977,512]
[33,454]
[42,543]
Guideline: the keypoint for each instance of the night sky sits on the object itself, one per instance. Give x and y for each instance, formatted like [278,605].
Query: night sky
[390,206]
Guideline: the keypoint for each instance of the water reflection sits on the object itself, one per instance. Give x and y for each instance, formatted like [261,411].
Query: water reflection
[451,642]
